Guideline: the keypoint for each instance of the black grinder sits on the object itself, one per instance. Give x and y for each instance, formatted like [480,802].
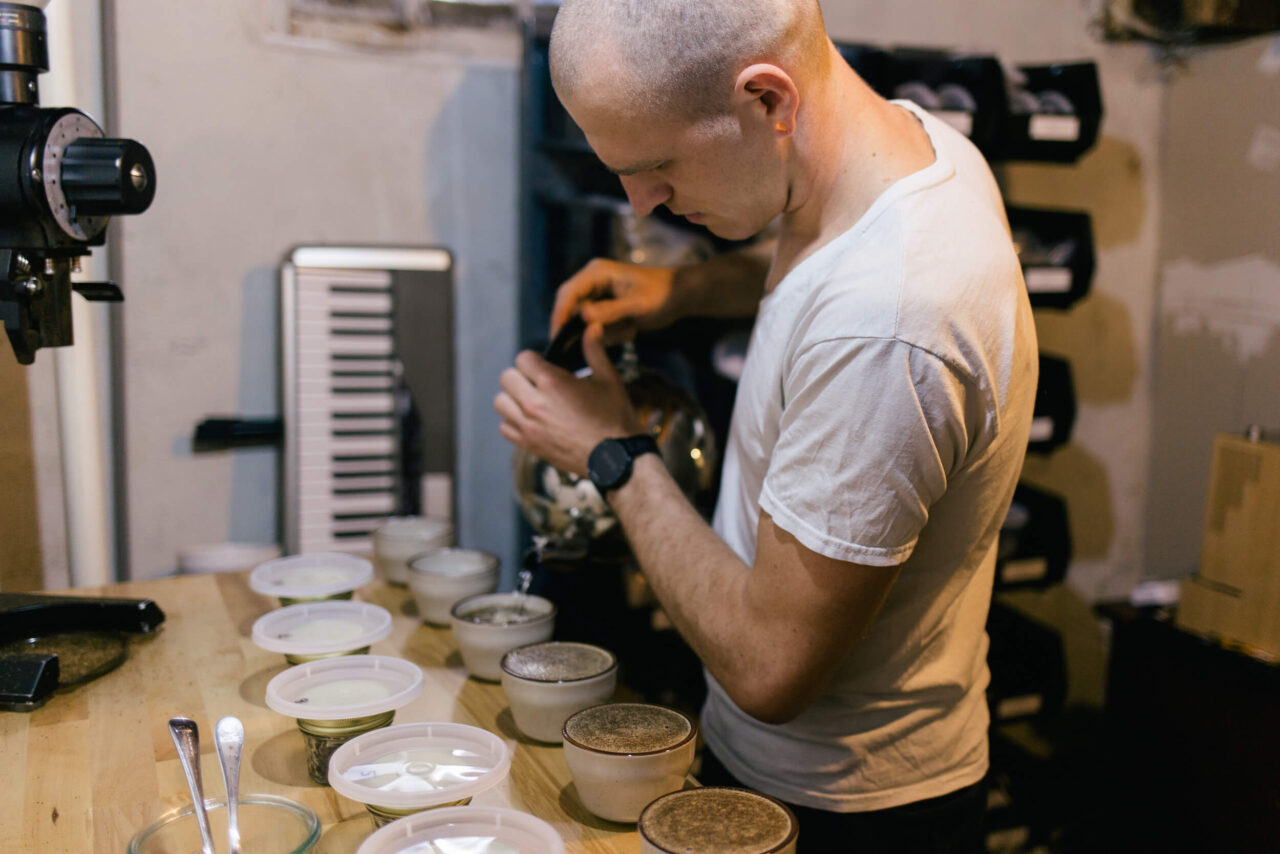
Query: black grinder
[61,180]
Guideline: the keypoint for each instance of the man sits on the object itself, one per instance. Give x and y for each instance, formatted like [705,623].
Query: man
[880,424]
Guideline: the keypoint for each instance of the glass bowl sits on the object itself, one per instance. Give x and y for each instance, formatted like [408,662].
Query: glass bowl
[269,824]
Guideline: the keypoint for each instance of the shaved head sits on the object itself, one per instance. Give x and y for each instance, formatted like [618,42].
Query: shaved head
[679,57]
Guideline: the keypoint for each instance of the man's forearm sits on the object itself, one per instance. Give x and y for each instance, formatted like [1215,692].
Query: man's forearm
[699,580]
[729,285]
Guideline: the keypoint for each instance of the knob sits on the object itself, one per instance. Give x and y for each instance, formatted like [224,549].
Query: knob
[104,177]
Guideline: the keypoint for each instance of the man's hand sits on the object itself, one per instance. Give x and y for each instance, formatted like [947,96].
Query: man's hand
[623,298]
[560,418]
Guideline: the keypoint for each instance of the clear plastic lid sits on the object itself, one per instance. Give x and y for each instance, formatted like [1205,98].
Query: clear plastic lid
[320,628]
[310,576]
[419,765]
[465,830]
[353,686]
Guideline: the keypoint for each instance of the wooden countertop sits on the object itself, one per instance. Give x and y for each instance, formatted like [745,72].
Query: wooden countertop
[96,764]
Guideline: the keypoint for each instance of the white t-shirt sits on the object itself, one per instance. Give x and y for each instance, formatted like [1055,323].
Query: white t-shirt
[882,419]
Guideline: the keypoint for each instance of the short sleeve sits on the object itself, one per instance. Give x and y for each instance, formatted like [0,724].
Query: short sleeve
[871,430]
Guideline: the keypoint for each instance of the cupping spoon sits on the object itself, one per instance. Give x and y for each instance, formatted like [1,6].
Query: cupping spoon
[186,737]
[229,737]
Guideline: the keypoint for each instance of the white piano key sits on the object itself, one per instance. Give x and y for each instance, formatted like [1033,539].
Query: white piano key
[379,383]
[383,482]
[382,403]
[344,505]
[363,325]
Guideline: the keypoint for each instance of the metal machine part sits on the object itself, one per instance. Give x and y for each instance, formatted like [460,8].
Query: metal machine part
[61,181]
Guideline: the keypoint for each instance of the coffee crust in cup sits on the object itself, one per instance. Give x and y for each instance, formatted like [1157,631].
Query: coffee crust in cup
[558,661]
[718,820]
[628,728]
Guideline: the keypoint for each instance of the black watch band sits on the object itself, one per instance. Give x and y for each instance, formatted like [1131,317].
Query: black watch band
[612,461]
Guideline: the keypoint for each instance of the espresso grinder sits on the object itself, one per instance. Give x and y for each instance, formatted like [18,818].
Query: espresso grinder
[61,180]
[580,559]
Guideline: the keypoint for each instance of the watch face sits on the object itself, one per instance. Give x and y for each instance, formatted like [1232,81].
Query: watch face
[608,463]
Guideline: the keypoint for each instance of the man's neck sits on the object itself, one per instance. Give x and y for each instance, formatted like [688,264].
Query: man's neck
[853,146]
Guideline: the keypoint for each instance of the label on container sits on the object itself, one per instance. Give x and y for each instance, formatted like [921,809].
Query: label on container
[958,119]
[1047,280]
[1028,569]
[1054,128]
[1041,429]
[1016,707]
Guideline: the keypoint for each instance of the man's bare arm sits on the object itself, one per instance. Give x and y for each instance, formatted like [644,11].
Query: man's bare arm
[772,634]
[626,298]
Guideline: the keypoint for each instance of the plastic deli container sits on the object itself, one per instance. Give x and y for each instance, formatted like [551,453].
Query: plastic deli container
[407,768]
[304,578]
[402,538]
[314,630]
[336,699]
[474,830]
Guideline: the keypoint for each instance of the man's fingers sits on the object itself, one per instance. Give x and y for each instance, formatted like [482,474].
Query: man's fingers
[536,369]
[517,386]
[591,281]
[511,434]
[593,349]
[505,406]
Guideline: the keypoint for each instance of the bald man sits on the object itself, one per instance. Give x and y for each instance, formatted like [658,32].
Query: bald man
[838,600]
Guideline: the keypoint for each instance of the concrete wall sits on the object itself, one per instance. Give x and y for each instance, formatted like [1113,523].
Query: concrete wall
[1217,348]
[1106,337]
[261,144]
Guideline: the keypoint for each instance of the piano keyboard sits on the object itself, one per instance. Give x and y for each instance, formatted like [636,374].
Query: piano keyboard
[346,399]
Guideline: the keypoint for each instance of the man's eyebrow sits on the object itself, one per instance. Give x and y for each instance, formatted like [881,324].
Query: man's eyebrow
[636,169]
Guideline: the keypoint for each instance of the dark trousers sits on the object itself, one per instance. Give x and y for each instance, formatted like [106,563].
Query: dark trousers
[948,824]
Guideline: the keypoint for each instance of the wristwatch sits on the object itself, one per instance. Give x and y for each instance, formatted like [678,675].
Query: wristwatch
[609,465]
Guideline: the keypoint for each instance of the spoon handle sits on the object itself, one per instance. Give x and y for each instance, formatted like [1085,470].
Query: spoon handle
[229,737]
[186,737]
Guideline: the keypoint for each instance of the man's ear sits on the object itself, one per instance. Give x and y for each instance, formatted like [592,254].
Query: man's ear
[767,93]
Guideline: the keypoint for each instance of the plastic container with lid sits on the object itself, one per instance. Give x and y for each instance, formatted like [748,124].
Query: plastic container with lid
[306,578]
[545,683]
[402,538]
[336,699]
[407,768]
[717,820]
[473,830]
[314,630]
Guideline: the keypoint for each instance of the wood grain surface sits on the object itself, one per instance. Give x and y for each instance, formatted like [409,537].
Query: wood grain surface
[96,764]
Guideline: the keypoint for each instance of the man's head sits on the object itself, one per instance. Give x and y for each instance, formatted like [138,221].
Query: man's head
[692,102]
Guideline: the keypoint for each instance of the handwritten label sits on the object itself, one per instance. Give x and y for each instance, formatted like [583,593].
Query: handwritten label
[1054,128]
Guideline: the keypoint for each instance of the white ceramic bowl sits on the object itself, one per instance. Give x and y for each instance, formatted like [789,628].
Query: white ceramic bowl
[717,820]
[624,755]
[487,626]
[407,768]
[470,829]
[313,630]
[442,577]
[402,538]
[546,683]
[305,578]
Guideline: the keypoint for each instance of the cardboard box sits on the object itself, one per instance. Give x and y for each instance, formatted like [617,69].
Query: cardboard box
[1236,594]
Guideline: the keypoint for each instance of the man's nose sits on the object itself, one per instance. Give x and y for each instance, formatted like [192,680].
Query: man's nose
[645,193]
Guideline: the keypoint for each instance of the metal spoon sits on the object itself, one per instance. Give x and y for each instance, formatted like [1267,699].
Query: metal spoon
[186,737]
[229,737]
